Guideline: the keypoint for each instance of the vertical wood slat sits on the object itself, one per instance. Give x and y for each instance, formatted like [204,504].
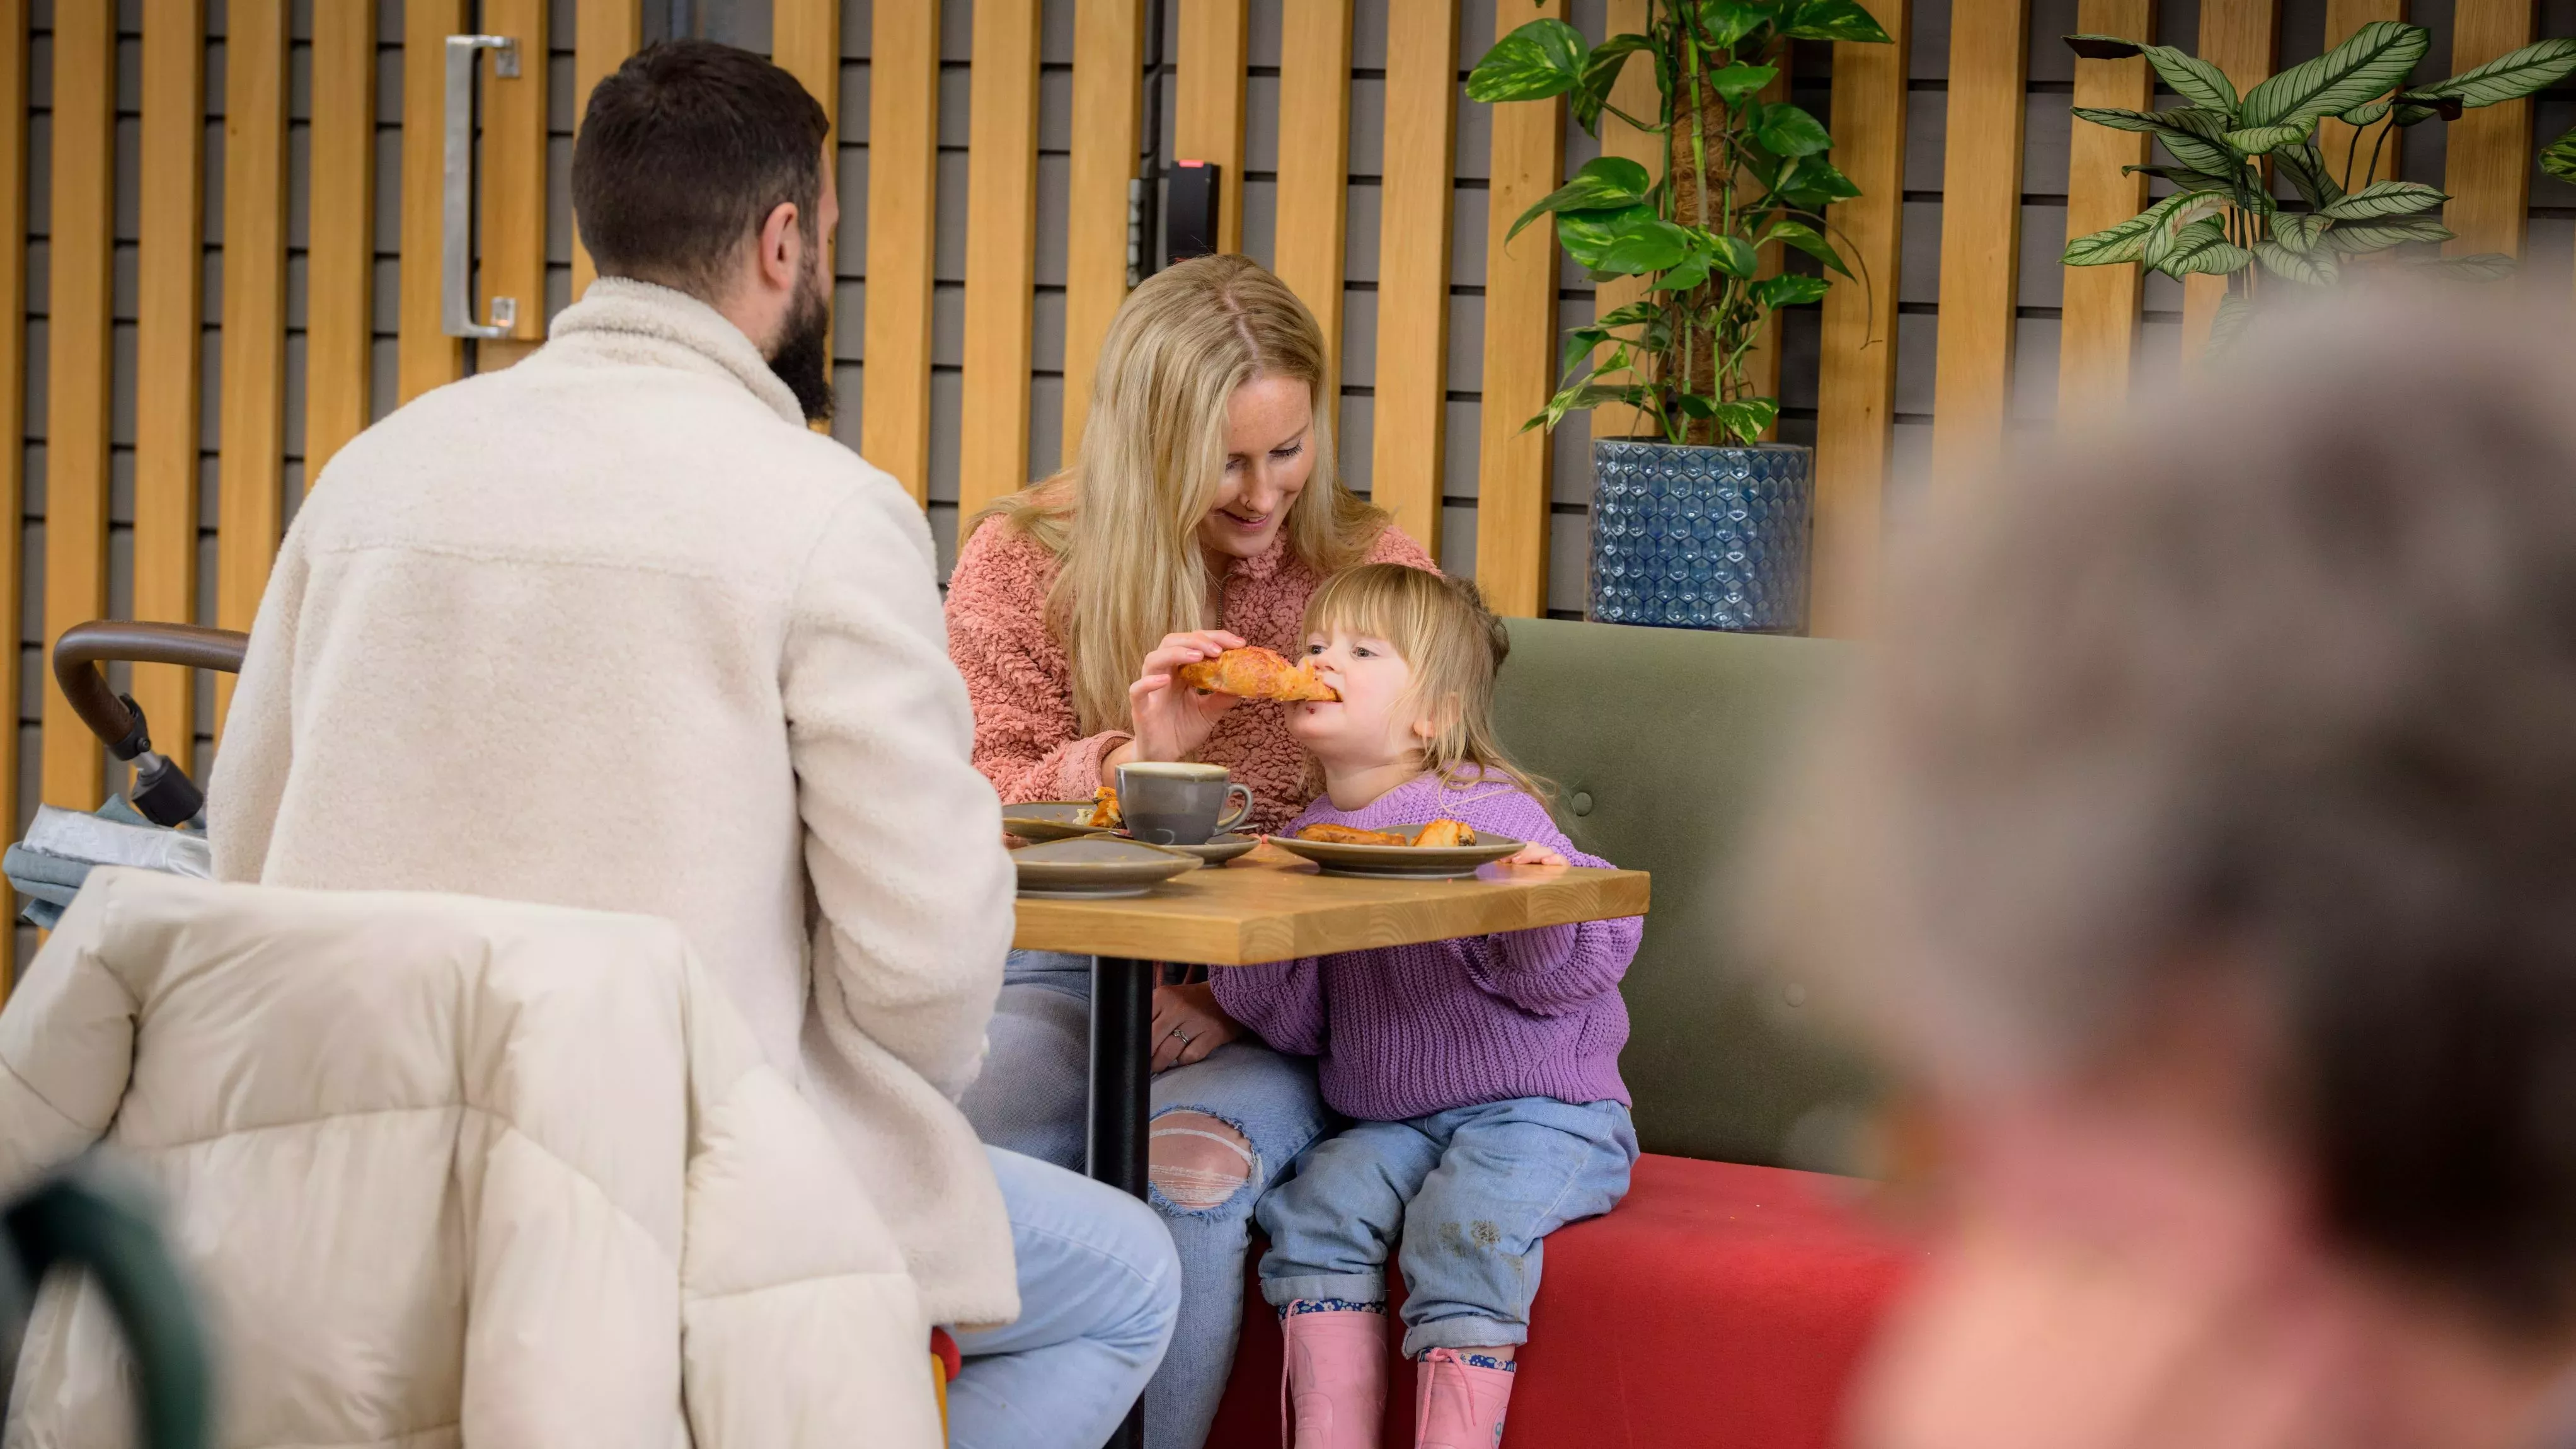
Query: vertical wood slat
[805,42]
[1207,111]
[604,33]
[1315,163]
[13,421]
[1408,415]
[1512,495]
[426,357]
[1856,374]
[903,177]
[2334,138]
[340,263]
[511,250]
[252,425]
[79,261]
[1001,252]
[2099,328]
[1980,230]
[1637,94]
[1108,97]
[2486,158]
[2242,38]
[167,354]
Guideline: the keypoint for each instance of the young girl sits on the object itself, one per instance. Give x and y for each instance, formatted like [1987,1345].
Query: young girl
[1483,1072]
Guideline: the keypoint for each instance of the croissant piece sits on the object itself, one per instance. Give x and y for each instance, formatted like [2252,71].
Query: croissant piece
[1104,809]
[1446,833]
[1348,835]
[1256,674]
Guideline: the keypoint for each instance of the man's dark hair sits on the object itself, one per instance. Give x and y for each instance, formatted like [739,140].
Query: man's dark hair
[683,153]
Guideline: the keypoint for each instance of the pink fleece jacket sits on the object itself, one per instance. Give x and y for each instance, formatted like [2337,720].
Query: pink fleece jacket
[1027,741]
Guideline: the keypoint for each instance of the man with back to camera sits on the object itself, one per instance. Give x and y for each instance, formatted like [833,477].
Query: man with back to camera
[614,629]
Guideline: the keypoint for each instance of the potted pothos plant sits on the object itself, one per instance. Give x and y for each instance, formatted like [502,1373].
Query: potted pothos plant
[2222,219]
[1696,521]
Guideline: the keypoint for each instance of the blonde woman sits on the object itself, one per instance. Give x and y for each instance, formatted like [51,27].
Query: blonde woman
[1200,515]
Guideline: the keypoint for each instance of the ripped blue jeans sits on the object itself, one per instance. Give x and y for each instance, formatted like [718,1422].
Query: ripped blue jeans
[1030,1099]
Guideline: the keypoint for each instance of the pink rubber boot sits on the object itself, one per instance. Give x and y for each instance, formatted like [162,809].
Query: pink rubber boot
[1336,1377]
[1458,1405]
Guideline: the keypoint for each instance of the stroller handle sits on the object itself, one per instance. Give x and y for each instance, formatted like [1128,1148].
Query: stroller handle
[83,647]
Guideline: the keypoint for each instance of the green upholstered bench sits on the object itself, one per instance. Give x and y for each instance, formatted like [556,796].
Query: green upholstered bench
[1663,742]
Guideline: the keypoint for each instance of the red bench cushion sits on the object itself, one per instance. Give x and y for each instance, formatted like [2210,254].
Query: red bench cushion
[1720,1304]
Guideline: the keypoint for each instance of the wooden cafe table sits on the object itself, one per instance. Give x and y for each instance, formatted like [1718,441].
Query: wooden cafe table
[1271,906]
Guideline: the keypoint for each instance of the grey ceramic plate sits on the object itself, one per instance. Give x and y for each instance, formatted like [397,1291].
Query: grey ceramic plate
[1217,850]
[1400,862]
[1037,820]
[1096,865]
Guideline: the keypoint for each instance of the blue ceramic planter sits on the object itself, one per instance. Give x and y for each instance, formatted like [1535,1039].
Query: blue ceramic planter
[1702,538]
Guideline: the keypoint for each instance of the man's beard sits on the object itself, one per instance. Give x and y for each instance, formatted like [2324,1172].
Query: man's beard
[803,360]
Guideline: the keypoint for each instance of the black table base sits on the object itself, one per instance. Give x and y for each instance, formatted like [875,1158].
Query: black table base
[1122,1055]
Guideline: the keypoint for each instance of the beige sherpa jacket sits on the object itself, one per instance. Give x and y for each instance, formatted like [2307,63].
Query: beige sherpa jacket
[450,1171]
[613,629]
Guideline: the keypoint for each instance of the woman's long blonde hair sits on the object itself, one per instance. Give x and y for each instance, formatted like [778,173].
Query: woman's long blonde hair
[1123,521]
[1455,647]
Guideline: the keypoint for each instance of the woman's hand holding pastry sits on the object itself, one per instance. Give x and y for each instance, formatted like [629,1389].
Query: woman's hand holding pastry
[1173,720]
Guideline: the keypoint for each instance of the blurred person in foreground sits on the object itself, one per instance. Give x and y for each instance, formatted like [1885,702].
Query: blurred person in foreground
[2203,842]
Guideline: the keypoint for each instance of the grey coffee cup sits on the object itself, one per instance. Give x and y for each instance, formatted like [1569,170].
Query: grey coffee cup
[1171,802]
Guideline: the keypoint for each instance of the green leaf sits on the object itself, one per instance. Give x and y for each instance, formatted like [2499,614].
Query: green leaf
[2234,311]
[2512,75]
[1790,289]
[2299,230]
[2193,79]
[1631,315]
[1819,184]
[1541,59]
[1734,256]
[1736,82]
[2307,173]
[2364,115]
[1807,239]
[1600,73]
[2449,108]
[1587,395]
[2484,267]
[2385,198]
[1692,271]
[2375,60]
[1579,344]
[1628,242]
[2378,236]
[2201,247]
[2559,159]
[1747,418]
[2194,137]
[2259,139]
[2309,269]
[1609,182]
[1724,22]
[1834,20]
[2125,242]
[1785,130]
[2184,177]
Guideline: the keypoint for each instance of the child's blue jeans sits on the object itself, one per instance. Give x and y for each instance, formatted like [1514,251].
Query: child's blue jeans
[1473,1192]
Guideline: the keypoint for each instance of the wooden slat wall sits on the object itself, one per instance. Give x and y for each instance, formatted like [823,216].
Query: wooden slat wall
[903,176]
[2486,161]
[2334,138]
[1639,96]
[2242,38]
[805,41]
[1408,453]
[1315,160]
[252,419]
[2099,330]
[1207,113]
[1001,253]
[1108,139]
[13,400]
[1980,229]
[1856,380]
[167,353]
[512,173]
[605,32]
[79,257]
[1512,495]
[340,263]
[426,357]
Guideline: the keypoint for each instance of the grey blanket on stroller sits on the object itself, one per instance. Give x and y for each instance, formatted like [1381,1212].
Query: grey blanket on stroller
[63,846]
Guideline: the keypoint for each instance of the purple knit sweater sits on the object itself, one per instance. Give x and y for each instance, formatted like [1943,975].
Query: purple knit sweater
[1405,1031]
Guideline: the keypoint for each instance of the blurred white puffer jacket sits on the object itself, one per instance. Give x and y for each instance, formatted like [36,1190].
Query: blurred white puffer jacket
[451,1171]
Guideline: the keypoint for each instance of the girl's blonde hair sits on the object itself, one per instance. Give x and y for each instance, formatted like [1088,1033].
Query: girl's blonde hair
[1455,646]
[1123,520]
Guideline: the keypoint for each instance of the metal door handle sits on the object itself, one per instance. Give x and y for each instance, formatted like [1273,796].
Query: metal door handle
[456,246]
